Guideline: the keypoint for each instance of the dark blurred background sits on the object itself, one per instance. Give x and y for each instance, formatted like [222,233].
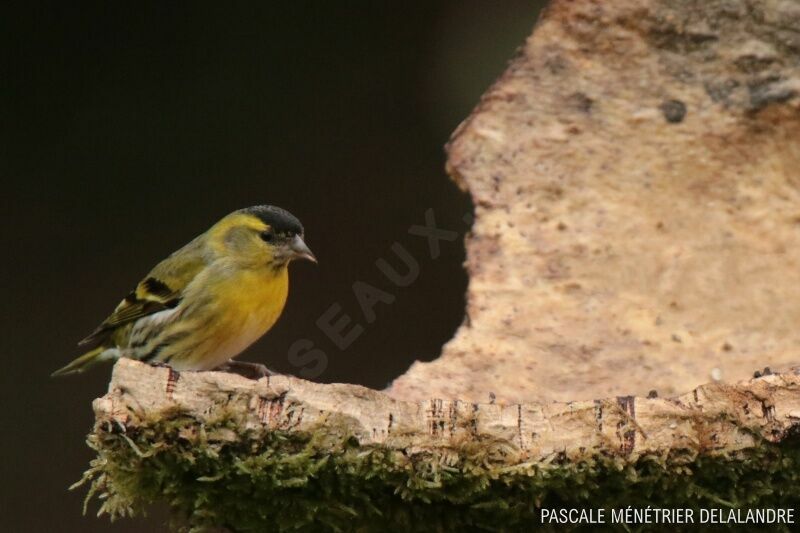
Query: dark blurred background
[128,130]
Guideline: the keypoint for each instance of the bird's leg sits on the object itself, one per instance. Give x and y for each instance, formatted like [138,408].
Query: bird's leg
[245,369]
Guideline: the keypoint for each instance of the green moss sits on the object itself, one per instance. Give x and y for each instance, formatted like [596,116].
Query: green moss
[323,480]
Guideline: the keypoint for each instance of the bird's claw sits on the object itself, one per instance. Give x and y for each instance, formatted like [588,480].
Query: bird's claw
[246,369]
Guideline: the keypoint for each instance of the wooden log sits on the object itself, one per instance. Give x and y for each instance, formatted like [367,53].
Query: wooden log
[281,453]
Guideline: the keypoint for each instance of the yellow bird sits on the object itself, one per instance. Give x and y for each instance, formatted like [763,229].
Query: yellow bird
[205,303]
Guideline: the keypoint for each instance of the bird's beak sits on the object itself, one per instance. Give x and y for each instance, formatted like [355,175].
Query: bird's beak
[300,250]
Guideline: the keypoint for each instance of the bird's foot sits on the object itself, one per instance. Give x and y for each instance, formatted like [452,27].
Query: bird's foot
[245,369]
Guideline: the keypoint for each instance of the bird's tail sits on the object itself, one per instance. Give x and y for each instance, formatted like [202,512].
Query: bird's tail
[87,360]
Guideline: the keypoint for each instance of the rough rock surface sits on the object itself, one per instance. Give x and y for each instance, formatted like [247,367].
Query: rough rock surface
[636,180]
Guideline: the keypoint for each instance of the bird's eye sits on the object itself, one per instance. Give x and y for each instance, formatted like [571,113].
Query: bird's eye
[267,236]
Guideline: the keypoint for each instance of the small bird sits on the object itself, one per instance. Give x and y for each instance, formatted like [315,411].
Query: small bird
[208,301]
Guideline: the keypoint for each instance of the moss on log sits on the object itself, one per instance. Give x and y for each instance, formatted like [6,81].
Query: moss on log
[282,453]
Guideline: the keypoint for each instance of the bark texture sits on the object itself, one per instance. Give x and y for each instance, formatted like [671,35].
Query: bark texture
[282,453]
[636,180]
[713,418]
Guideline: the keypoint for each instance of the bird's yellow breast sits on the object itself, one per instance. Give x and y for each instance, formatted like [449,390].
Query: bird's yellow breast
[253,301]
[256,294]
[247,304]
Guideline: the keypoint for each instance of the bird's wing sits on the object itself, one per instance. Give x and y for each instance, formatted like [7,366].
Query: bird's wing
[161,289]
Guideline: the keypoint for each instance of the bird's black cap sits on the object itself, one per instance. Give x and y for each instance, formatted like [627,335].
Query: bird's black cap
[279,219]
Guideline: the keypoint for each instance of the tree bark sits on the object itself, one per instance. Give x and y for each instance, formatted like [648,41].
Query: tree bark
[635,175]
[636,180]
